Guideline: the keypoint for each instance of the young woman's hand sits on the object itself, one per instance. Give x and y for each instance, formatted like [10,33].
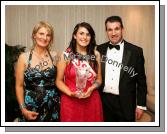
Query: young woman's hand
[86,94]
[74,94]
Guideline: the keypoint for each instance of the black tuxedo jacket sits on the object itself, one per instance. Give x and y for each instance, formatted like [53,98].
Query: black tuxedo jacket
[132,88]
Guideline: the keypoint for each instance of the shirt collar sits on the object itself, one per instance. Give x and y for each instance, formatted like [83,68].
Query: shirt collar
[119,43]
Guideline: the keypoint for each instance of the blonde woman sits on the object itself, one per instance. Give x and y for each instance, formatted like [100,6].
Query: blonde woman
[37,96]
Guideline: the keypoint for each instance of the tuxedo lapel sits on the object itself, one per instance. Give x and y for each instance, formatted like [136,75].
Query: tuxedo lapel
[125,58]
[104,60]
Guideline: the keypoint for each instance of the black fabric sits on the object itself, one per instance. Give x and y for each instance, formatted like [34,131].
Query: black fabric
[114,46]
[132,89]
[11,105]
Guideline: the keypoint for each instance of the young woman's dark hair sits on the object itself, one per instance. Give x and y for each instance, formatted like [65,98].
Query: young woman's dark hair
[90,47]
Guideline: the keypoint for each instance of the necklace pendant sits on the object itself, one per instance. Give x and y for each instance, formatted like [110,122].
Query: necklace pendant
[37,67]
[45,63]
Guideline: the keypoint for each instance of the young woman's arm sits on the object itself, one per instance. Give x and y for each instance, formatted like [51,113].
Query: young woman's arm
[98,80]
[61,65]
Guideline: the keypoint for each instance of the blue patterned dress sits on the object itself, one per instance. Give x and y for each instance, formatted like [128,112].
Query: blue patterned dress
[41,95]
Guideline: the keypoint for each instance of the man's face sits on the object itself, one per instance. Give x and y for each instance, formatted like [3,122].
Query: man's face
[114,32]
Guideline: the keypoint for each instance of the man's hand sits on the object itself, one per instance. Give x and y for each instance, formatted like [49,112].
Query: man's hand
[139,113]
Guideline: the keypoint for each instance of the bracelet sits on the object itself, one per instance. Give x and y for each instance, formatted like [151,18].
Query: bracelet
[21,106]
[96,83]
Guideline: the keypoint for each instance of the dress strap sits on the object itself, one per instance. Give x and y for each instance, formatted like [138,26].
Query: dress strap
[29,59]
[50,56]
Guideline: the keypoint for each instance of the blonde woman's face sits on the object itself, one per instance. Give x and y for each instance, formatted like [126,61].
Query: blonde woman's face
[42,37]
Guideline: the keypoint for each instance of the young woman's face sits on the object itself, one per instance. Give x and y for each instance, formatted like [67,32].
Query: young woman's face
[82,37]
[42,37]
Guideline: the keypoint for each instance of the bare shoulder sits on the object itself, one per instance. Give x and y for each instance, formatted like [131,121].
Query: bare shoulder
[64,58]
[97,54]
[53,53]
[23,60]
[23,57]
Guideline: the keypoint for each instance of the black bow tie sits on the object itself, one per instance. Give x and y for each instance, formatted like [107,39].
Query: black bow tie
[114,46]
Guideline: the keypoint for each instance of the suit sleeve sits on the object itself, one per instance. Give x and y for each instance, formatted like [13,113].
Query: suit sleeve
[141,80]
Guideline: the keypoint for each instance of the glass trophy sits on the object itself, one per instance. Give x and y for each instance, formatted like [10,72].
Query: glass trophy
[81,79]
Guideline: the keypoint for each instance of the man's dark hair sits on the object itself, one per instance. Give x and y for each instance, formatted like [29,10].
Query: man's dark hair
[114,19]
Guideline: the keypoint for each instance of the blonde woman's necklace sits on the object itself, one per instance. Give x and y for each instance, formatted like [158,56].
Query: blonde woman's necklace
[42,62]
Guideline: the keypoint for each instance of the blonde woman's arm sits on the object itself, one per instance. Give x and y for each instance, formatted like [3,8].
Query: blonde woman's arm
[19,73]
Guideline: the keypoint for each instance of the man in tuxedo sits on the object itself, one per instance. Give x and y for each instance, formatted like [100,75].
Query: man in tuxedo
[123,91]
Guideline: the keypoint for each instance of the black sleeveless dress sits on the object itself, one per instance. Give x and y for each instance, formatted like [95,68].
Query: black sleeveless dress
[41,94]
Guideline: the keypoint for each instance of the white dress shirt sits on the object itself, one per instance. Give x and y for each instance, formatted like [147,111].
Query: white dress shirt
[112,69]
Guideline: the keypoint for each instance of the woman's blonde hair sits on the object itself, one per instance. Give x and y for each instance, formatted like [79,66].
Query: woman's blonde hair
[48,27]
